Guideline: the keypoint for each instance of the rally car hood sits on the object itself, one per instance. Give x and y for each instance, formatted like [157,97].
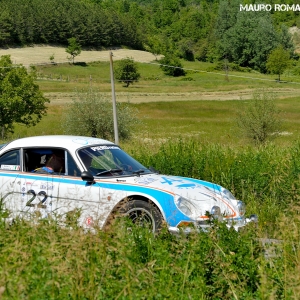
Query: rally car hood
[202,195]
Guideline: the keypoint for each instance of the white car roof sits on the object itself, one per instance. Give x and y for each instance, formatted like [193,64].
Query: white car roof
[70,142]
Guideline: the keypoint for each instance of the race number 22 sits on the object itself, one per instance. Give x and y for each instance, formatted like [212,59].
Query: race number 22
[42,196]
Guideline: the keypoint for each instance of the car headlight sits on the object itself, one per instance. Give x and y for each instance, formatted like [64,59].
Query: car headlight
[185,206]
[241,207]
[216,213]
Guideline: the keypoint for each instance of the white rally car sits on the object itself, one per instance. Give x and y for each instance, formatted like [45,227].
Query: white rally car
[99,180]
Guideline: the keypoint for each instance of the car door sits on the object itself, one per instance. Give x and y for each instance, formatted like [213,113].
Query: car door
[35,201]
[75,200]
[63,195]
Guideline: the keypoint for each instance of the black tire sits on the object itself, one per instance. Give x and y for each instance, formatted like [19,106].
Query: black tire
[142,213]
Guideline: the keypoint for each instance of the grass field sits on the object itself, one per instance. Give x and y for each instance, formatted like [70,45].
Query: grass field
[210,121]
[187,128]
[45,260]
[202,104]
[198,81]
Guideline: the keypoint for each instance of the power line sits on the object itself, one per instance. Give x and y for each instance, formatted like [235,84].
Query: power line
[215,73]
[102,58]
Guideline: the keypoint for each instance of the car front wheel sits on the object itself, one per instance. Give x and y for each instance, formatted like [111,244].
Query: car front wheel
[143,214]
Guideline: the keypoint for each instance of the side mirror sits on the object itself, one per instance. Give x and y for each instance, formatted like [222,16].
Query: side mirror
[87,176]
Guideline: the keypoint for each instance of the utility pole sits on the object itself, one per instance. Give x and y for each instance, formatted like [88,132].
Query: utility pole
[226,69]
[114,99]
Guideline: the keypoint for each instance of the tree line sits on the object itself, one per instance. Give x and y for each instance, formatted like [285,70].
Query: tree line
[55,21]
[206,30]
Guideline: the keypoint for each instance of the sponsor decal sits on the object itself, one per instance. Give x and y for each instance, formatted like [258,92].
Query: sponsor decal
[97,148]
[87,141]
[186,186]
[46,186]
[31,183]
[80,141]
[10,167]
[144,180]
[89,221]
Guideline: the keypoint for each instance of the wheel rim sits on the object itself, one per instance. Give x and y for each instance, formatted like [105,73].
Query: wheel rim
[141,217]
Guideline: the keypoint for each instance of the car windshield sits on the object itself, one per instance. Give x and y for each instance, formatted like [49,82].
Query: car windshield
[110,160]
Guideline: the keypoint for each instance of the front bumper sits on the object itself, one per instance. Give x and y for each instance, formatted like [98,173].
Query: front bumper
[236,223]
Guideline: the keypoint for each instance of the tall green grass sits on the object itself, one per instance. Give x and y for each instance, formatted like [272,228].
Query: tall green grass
[45,261]
[42,260]
[266,178]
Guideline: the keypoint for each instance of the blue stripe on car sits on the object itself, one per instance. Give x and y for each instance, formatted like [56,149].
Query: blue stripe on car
[166,200]
[207,184]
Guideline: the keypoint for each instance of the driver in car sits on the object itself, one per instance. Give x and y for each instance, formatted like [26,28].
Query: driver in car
[55,164]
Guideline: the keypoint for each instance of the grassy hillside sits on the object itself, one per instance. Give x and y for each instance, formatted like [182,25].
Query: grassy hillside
[211,121]
[201,78]
[202,104]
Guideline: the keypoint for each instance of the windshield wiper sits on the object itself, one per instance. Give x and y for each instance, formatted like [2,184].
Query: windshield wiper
[153,170]
[109,171]
[138,172]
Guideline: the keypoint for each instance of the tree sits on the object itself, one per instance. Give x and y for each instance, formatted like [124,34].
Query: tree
[74,49]
[21,101]
[154,45]
[285,39]
[127,71]
[185,47]
[91,114]
[261,119]
[249,41]
[172,66]
[247,37]
[278,61]
[52,58]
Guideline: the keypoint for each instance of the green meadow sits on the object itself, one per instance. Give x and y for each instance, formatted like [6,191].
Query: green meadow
[209,120]
[202,104]
[200,77]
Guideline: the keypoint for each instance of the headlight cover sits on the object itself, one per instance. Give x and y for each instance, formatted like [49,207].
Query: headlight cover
[241,207]
[216,213]
[186,206]
[228,194]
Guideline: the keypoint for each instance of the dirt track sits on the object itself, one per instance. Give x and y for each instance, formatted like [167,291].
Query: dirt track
[63,98]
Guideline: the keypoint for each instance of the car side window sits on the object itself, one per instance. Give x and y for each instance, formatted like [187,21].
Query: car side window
[45,160]
[10,161]
[72,169]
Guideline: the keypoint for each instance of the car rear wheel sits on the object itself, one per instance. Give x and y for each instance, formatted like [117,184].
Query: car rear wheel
[143,214]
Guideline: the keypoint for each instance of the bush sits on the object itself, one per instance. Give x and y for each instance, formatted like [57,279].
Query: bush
[295,69]
[172,66]
[45,261]
[91,114]
[260,120]
[127,71]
